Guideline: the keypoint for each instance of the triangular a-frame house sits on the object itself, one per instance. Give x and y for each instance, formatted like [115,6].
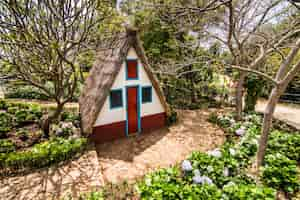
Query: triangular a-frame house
[121,96]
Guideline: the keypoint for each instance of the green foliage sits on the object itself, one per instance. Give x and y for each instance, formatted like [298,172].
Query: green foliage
[6,146]
[43,154]
[25,92]
[281,173]
[3,104]
[12,110]
[213,118]
[285,143]
[73,117]
[172,117]
[247,192]
[23,134]
[32,114]
[226,167]
[6,123]
[97,195]
[18,114]
[254,86]
[167,184]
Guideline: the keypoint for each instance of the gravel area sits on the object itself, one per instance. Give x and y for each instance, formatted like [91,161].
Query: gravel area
[130,158]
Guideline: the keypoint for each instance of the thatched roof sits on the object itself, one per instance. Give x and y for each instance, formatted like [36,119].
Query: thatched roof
[103,73]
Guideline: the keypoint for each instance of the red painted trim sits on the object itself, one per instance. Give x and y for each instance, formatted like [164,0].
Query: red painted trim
[132,69]
[153,122]
[113,131]
[108,132]
[132,113]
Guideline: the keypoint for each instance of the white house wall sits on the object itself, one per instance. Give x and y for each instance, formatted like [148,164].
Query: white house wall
[107,115]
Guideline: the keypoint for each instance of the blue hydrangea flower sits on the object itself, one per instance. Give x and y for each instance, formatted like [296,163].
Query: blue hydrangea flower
[216,153]
[186,166]
[241,131]
[197,179]
[206,180]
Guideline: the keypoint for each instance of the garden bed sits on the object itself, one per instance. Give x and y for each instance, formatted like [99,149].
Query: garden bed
[23,145]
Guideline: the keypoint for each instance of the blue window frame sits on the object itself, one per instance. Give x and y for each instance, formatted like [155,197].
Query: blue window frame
[135,72]
[146,94]
[116,98]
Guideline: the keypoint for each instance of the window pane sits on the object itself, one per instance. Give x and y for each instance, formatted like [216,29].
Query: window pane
[116,99]
[132,69]
[146,94]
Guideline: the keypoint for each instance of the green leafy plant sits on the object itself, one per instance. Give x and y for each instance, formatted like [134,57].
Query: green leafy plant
[12,109]
[213,118]
[23,134]
[284,143]
[6,146]
[6,124]
[26,92]
[172,117]
[3,104]
[247,192]
[281,173]
[43,154]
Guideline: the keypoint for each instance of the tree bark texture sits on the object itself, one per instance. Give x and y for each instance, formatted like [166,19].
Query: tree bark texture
[239,95]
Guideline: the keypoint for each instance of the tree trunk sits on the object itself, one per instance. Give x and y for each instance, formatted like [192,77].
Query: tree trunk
[48,119]
[267,122]
[239,96]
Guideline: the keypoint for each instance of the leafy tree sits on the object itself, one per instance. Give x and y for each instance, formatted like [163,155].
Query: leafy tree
[40,41]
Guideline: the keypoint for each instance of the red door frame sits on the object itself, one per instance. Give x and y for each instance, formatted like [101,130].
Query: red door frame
[133,122]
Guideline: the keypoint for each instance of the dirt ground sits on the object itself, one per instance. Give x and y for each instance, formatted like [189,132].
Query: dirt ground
[130,158]
[73,178]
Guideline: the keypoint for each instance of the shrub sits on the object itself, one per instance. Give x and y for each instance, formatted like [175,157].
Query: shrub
[281,173]
[22,134]
[96,195]
[172,117]
[166,184]
[6,124]
[28,115]
[44,154]
[6,146]
[285,143]
[213,118]
[26,92]
[71,117]
[12,110]
[234,191]
[3,104]
[24,116]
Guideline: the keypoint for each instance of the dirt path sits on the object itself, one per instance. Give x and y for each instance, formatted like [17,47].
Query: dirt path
[73,178]
[286,112]
[130,158]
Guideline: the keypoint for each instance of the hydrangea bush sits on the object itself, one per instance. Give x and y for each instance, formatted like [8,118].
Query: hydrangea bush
[221,173]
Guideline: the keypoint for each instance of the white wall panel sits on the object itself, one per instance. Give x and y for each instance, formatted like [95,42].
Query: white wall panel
[107,115]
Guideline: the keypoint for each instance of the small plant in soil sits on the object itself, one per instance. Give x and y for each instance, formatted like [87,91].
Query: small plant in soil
[6,123]
[22,134]
[6,146]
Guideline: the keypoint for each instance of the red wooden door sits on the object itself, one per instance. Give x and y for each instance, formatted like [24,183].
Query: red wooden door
[132,109]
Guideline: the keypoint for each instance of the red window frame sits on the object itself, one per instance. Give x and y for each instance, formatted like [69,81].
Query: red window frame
[131,69]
